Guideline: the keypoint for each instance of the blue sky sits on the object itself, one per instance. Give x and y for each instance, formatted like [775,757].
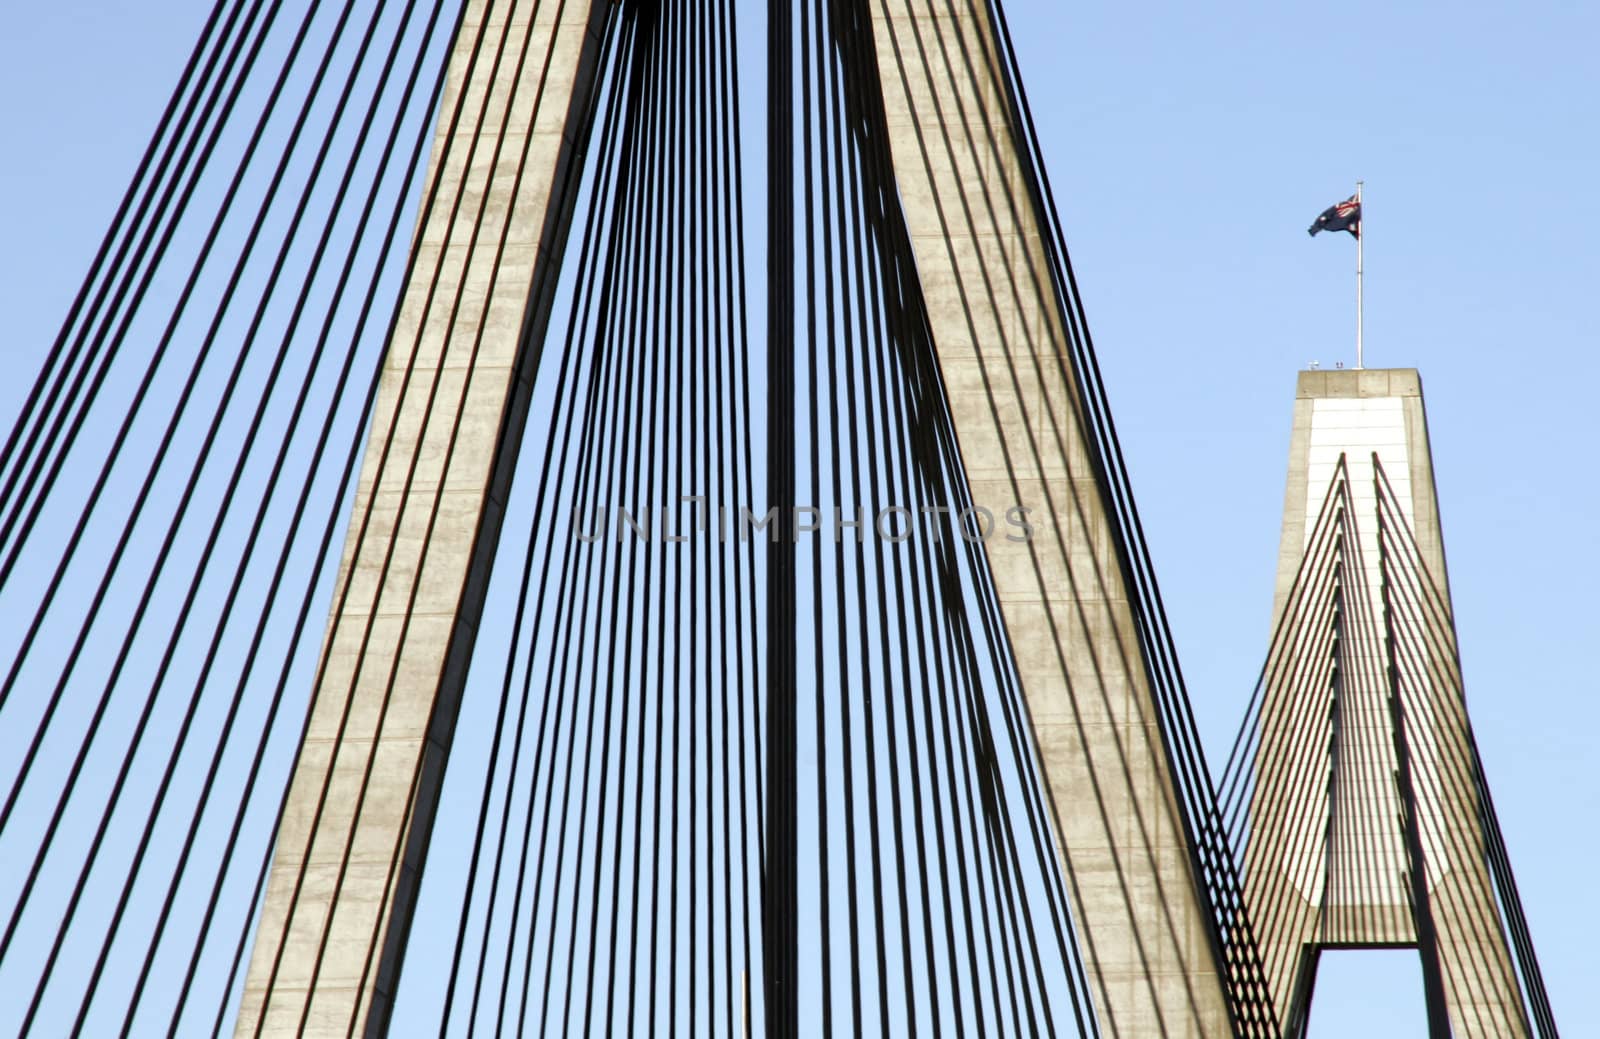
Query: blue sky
[1189,151]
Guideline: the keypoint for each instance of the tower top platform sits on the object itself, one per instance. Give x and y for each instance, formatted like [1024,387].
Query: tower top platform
[1359,382]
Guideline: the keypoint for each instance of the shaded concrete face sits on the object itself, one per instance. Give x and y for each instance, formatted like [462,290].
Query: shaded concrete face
[456,379]
[1003,353]
[1328,862]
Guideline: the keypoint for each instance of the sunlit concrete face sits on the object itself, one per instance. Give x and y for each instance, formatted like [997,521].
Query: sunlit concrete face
[425,521]
[980,259]
[1354,430]
[1329,863]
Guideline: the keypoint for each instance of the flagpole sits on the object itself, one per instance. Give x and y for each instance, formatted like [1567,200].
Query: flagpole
[1361,234]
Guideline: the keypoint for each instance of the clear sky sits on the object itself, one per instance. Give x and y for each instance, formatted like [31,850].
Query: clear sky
[1189,152]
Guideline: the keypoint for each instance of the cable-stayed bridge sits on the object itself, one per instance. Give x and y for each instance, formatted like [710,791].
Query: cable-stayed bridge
[534,522]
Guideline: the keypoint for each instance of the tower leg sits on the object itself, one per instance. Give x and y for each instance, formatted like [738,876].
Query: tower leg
[999,333]
[452,403]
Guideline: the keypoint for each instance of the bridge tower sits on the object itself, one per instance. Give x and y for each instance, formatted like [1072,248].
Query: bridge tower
[1370,821]
[433,484]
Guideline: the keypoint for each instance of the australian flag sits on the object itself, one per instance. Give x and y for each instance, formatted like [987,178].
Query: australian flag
[1342,216]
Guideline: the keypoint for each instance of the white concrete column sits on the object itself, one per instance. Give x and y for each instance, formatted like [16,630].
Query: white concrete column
[1141,921]
[450,410]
